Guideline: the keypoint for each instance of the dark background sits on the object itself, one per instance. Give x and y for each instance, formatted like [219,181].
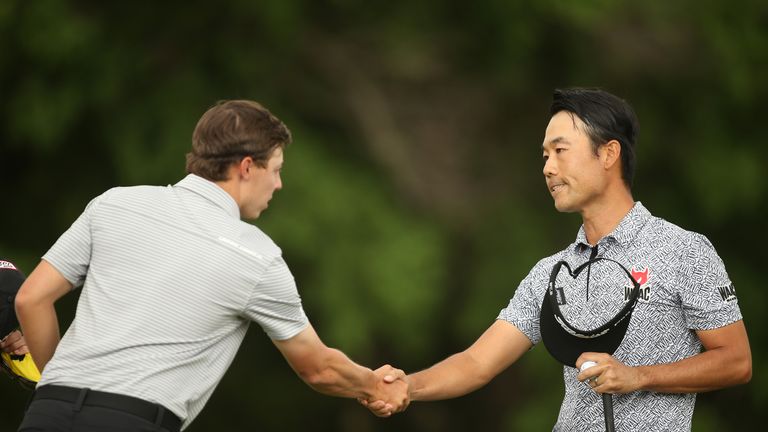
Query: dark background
[414,201]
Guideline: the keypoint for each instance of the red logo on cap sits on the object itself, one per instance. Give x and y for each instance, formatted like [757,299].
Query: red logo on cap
[640,276]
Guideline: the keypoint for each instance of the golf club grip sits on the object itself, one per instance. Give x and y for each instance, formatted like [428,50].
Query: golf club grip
[608,412]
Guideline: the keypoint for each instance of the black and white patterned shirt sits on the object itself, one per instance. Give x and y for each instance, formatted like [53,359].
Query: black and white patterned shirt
[684,288]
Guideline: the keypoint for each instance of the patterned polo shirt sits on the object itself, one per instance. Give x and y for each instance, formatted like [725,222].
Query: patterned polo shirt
[684,288]
[171,280]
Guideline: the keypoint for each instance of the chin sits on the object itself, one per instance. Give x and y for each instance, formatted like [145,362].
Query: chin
[564,207]
[251,215]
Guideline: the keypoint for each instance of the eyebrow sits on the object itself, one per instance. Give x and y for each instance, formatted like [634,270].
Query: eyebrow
[555,141]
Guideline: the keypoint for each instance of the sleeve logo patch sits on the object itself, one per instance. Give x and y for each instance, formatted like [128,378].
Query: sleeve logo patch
[728,293]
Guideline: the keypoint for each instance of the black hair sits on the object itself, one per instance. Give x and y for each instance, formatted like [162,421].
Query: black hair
[606,117]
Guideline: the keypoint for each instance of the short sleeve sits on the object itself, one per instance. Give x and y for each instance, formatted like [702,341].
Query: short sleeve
[275,303]
[524,308]
[707,294]
[71,254]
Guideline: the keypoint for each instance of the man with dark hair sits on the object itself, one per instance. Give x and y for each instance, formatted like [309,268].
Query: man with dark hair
[171,278]
[685,333]
[605,118]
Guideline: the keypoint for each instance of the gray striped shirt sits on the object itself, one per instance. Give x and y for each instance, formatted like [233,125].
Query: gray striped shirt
[171,280]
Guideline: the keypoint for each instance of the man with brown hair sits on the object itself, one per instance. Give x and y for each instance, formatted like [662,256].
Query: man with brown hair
[171,280]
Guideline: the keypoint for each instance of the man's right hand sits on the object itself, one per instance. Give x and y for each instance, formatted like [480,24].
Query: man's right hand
[392,392]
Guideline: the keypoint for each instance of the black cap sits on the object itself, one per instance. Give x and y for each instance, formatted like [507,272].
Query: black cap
[10,282]
[564,341]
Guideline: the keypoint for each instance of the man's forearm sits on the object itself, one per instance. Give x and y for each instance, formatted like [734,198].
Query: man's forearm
[710,370]
[497,348]
[453,377]
[331,372]
[726,361]
[340,376]
[41,331]
[37,315]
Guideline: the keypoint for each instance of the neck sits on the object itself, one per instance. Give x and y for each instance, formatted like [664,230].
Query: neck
[603,216]
[231,187]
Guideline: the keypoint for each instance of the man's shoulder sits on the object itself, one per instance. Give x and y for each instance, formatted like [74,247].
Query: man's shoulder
[667,231]
[122,193]
[252,240]
[127,196]
[544,266]
[550,260]
[674,243]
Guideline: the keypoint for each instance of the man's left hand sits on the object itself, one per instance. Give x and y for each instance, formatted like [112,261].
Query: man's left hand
[609,375]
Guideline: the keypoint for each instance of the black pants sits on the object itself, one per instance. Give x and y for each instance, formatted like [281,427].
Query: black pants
[53,415]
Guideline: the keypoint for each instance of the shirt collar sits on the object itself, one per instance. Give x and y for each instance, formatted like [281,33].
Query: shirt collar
[212,192]
[625,232]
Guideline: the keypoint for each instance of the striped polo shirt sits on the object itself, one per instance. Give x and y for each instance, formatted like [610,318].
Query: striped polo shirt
[171,280]
[684,287]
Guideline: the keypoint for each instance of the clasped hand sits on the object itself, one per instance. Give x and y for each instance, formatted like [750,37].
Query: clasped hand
[391,394]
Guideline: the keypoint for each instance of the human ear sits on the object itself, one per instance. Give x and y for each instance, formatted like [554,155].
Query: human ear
[610,153]
[245,166]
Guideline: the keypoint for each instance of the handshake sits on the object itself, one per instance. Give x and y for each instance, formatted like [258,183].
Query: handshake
[390,394]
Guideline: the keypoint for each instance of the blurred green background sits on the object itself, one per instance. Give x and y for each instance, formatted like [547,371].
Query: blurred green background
[414,201]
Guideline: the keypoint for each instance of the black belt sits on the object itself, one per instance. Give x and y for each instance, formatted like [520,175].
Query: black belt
[149,411]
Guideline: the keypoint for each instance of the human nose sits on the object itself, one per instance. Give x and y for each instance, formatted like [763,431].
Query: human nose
[550,167]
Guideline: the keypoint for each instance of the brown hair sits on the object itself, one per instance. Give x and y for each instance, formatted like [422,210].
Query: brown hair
[230,131]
